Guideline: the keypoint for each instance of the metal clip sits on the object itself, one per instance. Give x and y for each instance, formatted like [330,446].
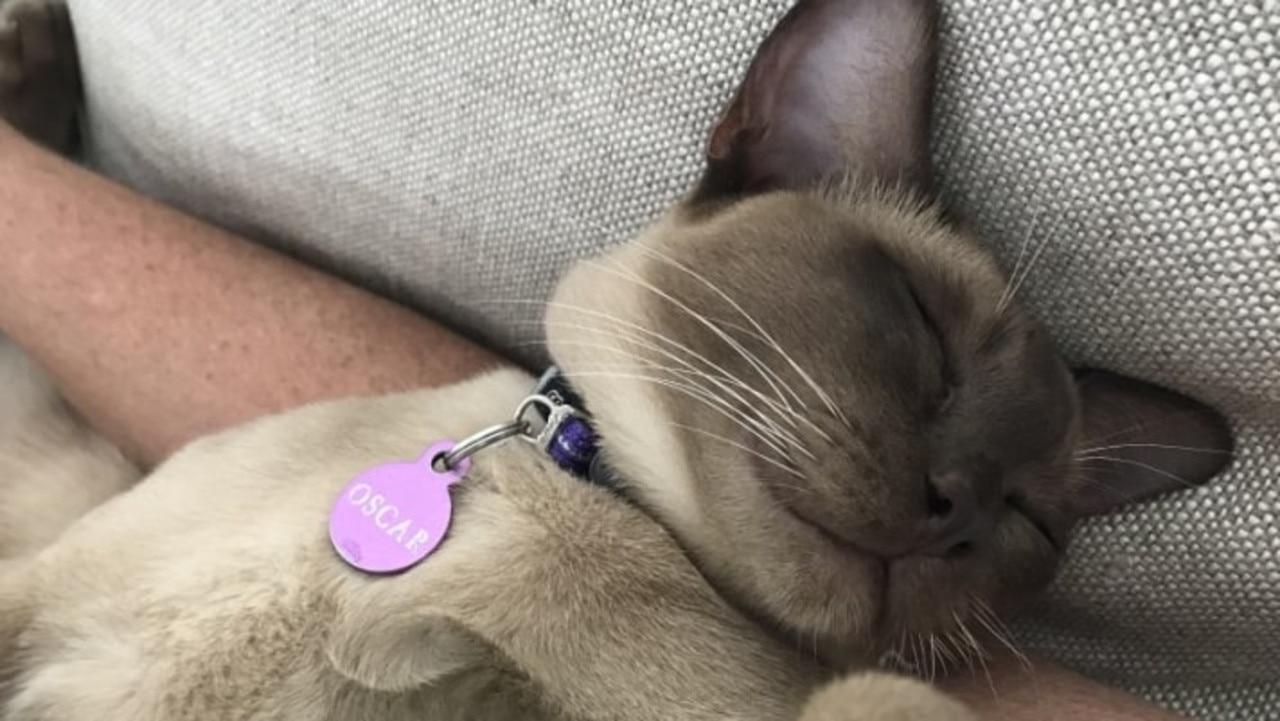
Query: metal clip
[555,413]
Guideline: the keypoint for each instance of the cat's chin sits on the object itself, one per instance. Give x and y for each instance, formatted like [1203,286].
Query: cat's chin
[847,599]
[859,594]
[849,604]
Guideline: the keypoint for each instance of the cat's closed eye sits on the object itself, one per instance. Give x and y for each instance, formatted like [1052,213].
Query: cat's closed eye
[1019,505]
[939,402]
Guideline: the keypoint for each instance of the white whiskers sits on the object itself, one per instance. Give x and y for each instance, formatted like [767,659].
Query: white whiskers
[1019,276]
[983,614]
[762,333]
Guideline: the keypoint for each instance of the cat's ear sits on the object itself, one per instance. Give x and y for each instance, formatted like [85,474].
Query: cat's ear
[403,651]
[839,86]
[1141,441]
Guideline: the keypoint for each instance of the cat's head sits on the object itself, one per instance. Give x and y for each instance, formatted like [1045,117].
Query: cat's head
[833,398]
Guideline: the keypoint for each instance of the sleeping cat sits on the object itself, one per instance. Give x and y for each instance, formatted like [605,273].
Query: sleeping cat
[826,431]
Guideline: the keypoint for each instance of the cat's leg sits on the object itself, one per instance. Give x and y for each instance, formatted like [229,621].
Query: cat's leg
[883,697]
[53,466]
[40,88]
[16,612]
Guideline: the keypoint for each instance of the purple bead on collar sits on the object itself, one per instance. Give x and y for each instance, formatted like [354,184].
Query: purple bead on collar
[573,446]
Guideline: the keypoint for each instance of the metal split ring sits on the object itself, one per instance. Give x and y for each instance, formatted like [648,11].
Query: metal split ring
[490,436]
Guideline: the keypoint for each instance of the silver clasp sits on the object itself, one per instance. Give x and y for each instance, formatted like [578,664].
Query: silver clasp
[534,430]
[557,414]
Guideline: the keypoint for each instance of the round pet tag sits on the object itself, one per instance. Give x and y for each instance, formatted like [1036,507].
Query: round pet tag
[392,516]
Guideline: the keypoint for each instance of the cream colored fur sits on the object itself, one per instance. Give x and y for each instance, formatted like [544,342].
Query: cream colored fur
[84,471]
[210,592]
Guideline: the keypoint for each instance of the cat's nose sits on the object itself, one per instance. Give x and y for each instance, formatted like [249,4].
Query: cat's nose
[963,510]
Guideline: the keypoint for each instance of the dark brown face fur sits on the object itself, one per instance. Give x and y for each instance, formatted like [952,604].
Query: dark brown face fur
[926,413]
[831,397]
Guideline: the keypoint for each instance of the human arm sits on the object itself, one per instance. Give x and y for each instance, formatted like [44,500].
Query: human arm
[1010,690]
[160,328]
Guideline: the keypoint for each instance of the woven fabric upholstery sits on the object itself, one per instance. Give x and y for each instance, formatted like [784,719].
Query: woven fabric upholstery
[457,155]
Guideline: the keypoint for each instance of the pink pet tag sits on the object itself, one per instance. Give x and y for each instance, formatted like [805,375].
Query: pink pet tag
[392,516]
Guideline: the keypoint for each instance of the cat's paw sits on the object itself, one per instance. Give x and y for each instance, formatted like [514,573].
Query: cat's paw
[882,697]
[40,88]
